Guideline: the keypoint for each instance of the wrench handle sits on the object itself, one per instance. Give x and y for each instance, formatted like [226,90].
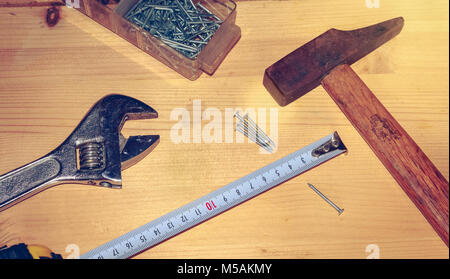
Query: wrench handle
[27,180]
[415,173]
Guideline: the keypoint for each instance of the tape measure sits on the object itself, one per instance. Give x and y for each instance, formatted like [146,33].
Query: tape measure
[219,201]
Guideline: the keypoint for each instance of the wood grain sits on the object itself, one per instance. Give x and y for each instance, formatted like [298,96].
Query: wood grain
[50,77]
[415,173]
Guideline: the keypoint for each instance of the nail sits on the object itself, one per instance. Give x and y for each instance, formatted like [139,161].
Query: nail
[339,210]
[251,124]
[252,135]
[258,129]
[181,23]
[261,144]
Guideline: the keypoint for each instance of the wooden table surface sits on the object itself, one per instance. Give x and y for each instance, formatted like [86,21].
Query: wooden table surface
[50,77]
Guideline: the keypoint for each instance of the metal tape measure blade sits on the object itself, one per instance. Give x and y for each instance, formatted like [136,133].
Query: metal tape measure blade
[218,201]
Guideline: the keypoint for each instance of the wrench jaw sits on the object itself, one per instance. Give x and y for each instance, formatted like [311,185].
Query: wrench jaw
[136,148]
[123,152]
[102,157]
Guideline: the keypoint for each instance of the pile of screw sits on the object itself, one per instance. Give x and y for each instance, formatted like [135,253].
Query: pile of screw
[178,23]
[248,128]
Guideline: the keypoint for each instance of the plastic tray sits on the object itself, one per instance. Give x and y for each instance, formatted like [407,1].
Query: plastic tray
[208,60]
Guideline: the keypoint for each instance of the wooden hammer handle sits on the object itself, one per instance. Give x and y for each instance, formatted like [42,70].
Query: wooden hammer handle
[408,164]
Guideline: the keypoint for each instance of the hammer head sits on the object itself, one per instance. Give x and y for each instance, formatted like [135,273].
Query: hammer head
[303,69]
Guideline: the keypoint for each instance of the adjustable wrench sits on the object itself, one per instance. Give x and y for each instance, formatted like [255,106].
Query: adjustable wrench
[94,154]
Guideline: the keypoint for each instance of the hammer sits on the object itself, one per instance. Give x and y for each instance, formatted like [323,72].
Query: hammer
[326,60]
